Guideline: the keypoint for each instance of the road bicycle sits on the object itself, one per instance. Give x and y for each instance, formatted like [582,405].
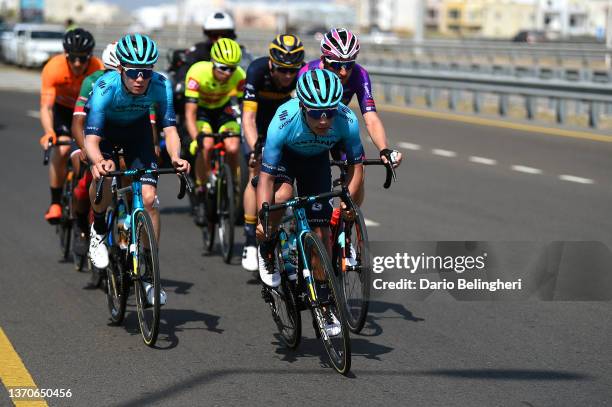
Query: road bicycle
[133,255]
[308,281]
[220,200]
[64,227]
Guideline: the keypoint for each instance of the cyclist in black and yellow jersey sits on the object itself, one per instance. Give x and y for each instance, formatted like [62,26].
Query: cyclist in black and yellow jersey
[209,87]
[270,82]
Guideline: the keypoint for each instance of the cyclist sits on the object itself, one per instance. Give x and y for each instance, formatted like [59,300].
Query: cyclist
[299,138]
[217,25]
[208,108]
[81,194]
[270,81]
[339,50]
[61,80]
[119,115]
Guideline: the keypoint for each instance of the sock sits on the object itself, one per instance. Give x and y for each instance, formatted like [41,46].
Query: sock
[99,222]
[82,221]
[250,225]
[56,195]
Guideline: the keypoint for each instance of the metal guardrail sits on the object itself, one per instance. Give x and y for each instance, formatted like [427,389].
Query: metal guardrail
[403,82]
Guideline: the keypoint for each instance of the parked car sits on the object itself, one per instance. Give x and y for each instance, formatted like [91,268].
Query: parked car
[530,36]
[32,45]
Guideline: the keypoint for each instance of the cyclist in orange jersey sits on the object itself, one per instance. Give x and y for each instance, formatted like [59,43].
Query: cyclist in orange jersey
[61,82]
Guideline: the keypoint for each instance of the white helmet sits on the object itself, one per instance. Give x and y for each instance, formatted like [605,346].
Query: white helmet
[109,56]
[218,21]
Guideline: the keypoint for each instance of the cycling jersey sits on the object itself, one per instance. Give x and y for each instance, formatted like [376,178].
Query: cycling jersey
[86,89]
[110,102]
[358,83]
[202,88]
[60,85]
[289,131]
[262,95]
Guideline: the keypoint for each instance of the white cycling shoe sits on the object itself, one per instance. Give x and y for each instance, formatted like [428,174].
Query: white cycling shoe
[250,260]
[271,279]
[98,252]
[332,325]
[148,287]
[351,261]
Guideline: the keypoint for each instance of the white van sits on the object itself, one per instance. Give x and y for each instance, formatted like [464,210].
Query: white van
[32,45]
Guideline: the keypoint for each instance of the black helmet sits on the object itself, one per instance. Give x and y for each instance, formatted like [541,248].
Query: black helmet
[287,50]
[78,41]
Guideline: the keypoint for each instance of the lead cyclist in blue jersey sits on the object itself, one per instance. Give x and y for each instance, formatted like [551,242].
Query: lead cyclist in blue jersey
[119,116]
[299,138]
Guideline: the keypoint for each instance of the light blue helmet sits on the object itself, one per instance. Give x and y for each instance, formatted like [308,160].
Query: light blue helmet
[319,89]
[137,49]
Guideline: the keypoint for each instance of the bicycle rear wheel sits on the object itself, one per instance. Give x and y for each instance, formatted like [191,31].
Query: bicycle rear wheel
[282,302]
[117,285]
[356,278]
[338,347]
[147,266]
[226,209]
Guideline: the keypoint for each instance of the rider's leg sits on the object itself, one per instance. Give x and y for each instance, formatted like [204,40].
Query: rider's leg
[232,146]
[151,204]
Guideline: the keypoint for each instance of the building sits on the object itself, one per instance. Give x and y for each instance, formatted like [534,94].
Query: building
[563,18]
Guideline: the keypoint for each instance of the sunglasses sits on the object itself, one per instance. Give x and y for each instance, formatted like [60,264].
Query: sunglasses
[81,58]
[317,114]
[135,73]
[338,65]
[224,68]
[282,69]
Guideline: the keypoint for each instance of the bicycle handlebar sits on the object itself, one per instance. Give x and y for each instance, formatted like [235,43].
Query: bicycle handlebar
[390,171]
[185,182]
[50,144]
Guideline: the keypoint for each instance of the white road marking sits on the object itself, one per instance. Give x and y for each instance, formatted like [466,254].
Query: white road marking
[409,146]
[370,222]
[573,178]
[482,160]
[34,114]
[526,170]
[443,153]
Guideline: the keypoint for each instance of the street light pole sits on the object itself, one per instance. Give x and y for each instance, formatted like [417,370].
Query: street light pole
[609,35]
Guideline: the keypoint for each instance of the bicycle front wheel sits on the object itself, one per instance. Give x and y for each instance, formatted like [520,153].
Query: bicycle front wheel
[147,283]
[328,304]
[64,228]
[356,276]
[227,212]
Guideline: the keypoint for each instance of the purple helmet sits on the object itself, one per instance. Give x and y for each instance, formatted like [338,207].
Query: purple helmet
[340,44]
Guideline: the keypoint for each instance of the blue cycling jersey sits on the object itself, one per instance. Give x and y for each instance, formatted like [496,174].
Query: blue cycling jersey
[111,103]
[289,130]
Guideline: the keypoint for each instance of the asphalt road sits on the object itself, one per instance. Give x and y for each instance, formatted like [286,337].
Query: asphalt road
[217,344]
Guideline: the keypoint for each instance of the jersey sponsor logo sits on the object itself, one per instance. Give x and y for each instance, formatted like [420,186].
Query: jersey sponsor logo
[283,115]
[101,84]
[250,86]
[192,84]
[317,206]
[318,141]
[248,94]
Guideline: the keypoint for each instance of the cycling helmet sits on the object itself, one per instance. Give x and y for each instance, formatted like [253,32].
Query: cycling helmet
[137,49]
[218,21]
[340,44]
[78,41]
[109,56]
[226,52]
[287,51]
[319,89]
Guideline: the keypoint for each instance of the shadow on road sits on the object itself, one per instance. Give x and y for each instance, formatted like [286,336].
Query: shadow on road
[372,328]
[209,377]
[171,210]
[173,321]
[180,287]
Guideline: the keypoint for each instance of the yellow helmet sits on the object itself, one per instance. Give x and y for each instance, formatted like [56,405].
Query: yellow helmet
[226,52]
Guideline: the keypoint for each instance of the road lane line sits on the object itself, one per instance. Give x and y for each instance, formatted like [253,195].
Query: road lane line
[13,372]
[573,178]
[370,222]
[409,146]
[482,160]
[443,153]
[526,170]
[481,121]
[34,114]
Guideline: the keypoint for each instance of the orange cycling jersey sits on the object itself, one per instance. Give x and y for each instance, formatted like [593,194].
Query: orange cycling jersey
[60,85]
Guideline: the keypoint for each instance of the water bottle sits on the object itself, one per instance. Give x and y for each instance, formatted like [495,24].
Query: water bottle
[289,259]
[123,225]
